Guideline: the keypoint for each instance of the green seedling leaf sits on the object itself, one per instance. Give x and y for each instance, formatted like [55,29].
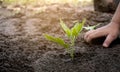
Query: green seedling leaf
[77,28]
[60,41]
[81,25]
[65,28]
[91,27]
[74,32]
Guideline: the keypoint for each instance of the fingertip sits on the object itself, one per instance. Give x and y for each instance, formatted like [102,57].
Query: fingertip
[105,45]
[86,37]
[108,40]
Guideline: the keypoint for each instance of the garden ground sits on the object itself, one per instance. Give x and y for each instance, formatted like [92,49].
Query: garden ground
[23,47]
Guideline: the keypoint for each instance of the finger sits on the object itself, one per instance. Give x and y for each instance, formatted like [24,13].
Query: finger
[95,34]
[87,34]
[108,40]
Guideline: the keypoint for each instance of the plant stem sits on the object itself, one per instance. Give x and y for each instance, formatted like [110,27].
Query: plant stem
[71,49]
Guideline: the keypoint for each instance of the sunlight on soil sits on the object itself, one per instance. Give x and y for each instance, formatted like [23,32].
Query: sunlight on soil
[43,2]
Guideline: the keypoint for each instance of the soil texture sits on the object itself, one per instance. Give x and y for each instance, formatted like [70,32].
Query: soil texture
[23,47]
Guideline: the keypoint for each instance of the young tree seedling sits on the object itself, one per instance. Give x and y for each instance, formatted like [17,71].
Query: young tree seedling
[72,35]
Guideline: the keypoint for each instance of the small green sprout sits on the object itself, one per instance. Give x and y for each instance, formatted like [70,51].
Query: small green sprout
[72,35]
[91,27]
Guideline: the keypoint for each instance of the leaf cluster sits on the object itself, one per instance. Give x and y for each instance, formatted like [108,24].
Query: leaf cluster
[72,34]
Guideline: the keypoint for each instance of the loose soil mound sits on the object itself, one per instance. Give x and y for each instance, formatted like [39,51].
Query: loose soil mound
[23,47]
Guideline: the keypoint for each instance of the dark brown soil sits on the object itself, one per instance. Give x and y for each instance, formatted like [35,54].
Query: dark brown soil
[23,47]
[106,5]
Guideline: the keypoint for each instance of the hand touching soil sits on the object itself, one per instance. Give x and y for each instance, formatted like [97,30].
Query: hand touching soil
[111,32]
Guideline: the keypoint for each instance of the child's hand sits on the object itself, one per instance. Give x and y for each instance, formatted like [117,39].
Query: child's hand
[111,31]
